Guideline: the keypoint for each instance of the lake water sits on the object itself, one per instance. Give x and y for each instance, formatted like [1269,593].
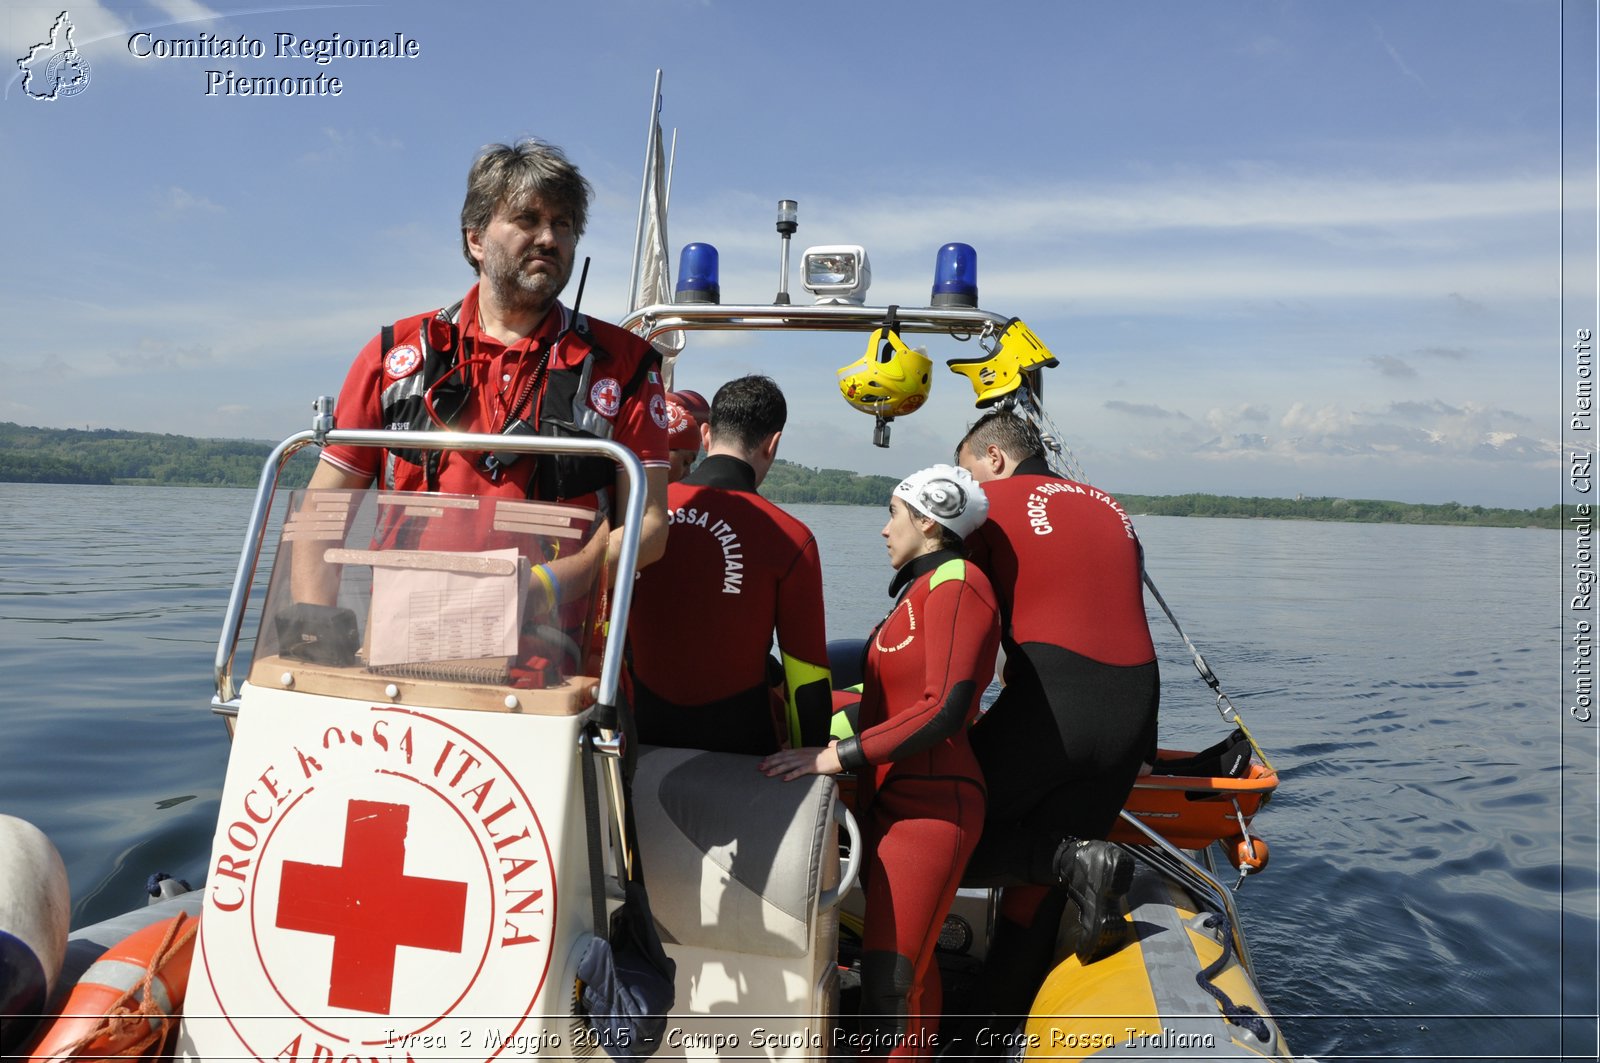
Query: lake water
[1432,891]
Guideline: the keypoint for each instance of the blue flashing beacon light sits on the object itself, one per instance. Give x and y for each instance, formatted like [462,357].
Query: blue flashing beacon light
[698,281]
[955,276]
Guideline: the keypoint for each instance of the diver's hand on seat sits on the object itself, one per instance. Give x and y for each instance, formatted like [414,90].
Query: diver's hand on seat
[810,760]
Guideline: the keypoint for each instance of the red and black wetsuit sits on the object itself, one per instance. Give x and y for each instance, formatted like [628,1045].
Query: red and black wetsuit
[1062,745]
[736,568]
[920,791]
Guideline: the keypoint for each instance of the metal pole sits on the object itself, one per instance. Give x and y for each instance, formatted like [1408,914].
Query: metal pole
[782,298]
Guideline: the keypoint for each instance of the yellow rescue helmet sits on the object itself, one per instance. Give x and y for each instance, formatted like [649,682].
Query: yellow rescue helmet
[998,372]
[890,379]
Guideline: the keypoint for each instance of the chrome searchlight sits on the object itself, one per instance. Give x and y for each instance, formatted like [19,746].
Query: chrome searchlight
[955,276]
[837,273]
[697,275]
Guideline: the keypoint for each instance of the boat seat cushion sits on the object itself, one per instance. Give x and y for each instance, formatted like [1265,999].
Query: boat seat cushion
[732,859]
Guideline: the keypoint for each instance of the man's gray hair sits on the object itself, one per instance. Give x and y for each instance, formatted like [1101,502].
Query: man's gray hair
[505,173]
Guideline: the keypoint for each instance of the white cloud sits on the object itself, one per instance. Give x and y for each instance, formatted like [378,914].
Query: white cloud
[181,11]
[1237,443]
[1321,422]
[1235,198]
[1401,431]
[345,146]
[1403,450]
[150,353]
[1227,236]
[1220,278]
[1223,420]
[175,200]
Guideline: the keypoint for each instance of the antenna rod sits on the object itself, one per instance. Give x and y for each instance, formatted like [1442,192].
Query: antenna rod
[583,279]
[788,223]
[672,162]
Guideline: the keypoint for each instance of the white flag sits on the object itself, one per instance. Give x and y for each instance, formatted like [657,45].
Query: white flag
[653,281]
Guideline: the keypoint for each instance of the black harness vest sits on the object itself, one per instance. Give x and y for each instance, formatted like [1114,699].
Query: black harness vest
[565,410]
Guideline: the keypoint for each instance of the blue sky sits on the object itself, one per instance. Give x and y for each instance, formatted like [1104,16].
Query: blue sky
[1280,247]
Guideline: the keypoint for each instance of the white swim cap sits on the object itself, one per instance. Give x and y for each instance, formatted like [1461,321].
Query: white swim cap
[949,495]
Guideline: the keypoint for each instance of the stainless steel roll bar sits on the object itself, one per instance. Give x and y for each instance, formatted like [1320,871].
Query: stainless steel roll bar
[225,700]
[659,318]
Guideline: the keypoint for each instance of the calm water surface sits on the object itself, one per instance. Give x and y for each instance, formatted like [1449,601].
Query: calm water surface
[1432,887]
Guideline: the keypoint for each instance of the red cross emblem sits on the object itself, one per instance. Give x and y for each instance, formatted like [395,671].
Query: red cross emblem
[606,396]
[370,906]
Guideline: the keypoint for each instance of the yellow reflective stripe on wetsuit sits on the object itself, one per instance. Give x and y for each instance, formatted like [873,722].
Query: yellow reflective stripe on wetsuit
[843,726]
[804,681]
[955,568]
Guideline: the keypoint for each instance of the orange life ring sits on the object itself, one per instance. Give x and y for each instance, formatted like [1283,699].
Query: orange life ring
[126,1002]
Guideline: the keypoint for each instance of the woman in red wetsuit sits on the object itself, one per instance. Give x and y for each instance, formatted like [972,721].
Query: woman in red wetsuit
[919,791]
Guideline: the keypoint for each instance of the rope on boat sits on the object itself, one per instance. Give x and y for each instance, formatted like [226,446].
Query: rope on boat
[1058,455]
[137,1016]
[1225,707]
[1241,1015]
[152,885]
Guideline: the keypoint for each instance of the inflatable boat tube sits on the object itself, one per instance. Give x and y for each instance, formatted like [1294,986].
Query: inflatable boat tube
[35,910]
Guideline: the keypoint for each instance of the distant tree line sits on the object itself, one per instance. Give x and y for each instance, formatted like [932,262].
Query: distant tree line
[1361,510]
[108,456]
[788,483]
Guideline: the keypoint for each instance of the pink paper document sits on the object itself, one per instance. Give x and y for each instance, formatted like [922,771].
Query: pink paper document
[429,606]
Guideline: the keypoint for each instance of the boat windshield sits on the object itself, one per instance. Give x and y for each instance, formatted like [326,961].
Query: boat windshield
[440,588]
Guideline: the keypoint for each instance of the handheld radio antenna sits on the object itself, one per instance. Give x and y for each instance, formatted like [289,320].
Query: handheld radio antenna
[583,278]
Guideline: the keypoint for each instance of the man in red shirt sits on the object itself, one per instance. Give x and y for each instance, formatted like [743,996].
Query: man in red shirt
[737,568]
[1064,742]
[509,358]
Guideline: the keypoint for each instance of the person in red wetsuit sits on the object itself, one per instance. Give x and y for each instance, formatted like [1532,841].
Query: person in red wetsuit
[920,792]
[510,358]
[1076,721]
[737,568]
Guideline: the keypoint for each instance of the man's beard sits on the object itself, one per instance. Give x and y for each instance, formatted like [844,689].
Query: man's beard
[516,290]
